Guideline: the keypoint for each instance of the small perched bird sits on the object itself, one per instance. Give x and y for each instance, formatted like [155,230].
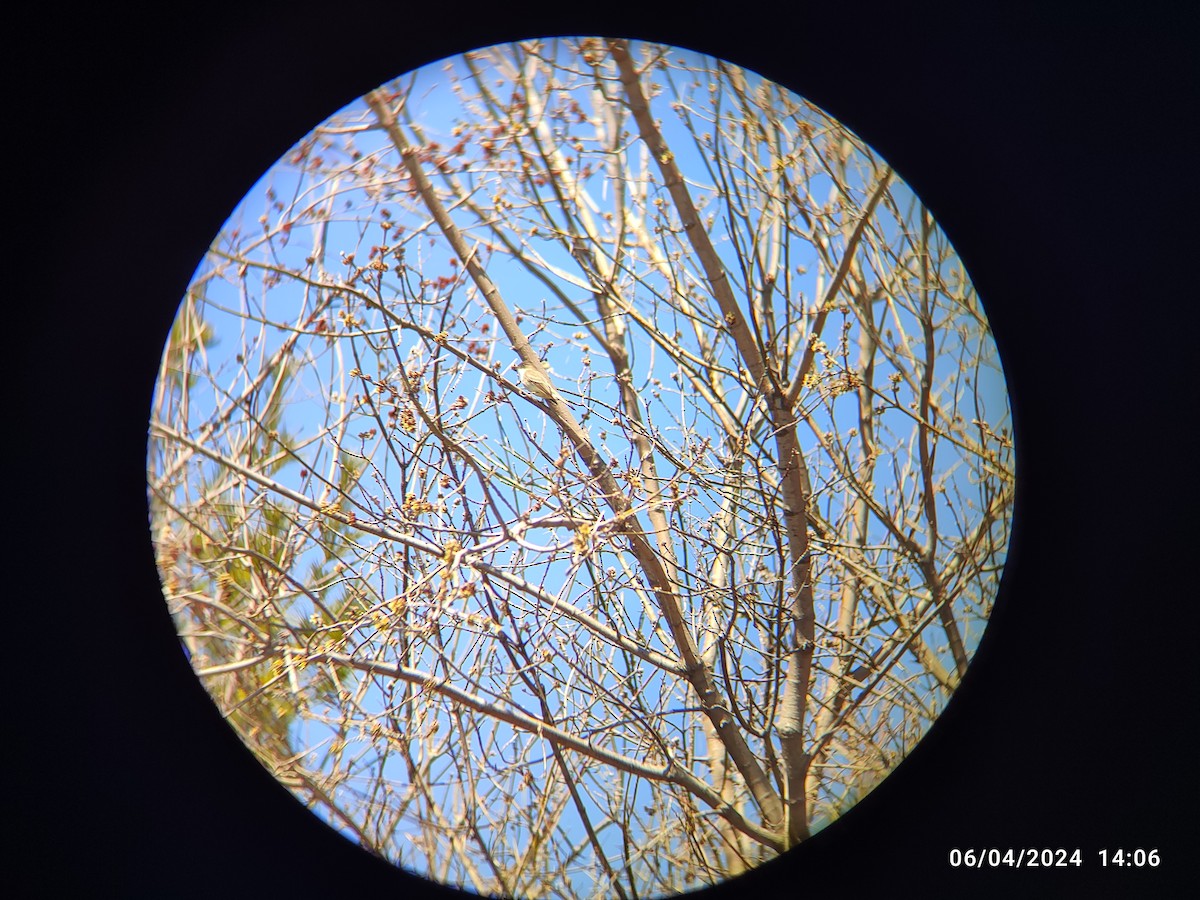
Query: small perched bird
[536,381]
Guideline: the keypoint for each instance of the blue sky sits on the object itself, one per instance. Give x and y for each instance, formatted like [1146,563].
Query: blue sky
[273,226]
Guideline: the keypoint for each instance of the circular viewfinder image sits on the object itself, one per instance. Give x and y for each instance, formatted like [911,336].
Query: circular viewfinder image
[580,468]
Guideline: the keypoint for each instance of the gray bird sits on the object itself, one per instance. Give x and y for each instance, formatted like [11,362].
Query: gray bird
[536,381]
